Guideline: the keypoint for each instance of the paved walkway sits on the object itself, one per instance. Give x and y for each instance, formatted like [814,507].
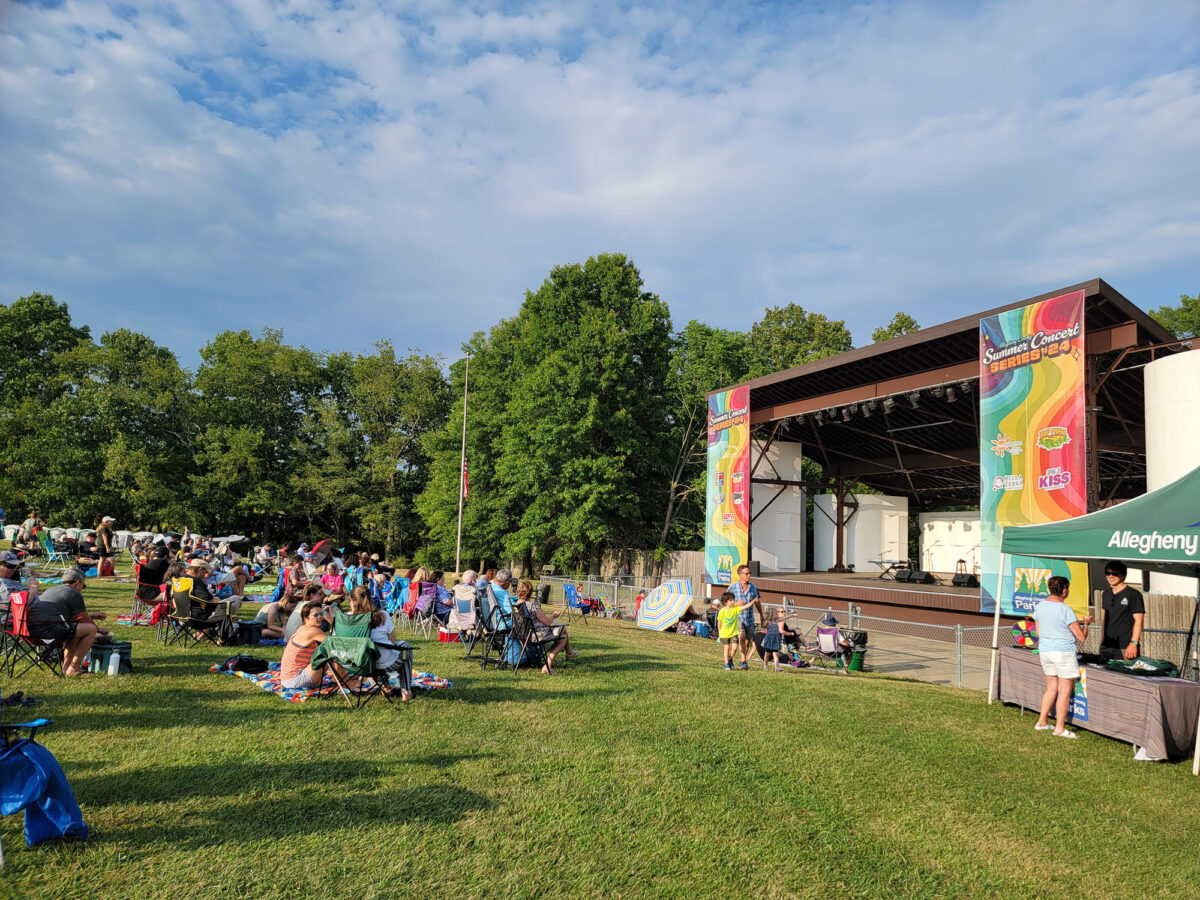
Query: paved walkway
[926,660]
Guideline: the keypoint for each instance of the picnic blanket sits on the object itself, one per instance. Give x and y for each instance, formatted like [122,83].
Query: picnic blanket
[253,592]
[269,681]
[131,619]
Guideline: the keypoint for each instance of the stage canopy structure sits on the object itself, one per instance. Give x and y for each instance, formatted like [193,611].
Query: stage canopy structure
[902,416]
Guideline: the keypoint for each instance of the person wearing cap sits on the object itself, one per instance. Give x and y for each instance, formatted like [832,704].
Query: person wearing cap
[203,609]
[10,569]
[106,541]
[60,614]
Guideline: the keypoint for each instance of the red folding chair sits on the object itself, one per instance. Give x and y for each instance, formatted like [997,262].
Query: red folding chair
[20,647]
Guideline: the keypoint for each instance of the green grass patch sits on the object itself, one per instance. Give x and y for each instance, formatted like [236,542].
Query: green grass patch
[641,769]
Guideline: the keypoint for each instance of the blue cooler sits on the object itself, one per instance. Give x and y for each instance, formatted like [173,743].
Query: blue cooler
[702,629]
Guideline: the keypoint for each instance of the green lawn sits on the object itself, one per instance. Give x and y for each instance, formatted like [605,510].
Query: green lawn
[642,769]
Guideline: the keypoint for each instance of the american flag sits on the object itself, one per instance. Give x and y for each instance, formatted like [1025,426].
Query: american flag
[465,490]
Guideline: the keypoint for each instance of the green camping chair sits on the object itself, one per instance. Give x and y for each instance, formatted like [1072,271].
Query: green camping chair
[354,655]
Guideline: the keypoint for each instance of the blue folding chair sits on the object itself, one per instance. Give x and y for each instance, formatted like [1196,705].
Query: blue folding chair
[576,603]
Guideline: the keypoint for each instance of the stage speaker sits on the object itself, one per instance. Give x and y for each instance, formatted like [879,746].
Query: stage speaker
[754,567]
[964,579]
[916,576]
[903,574]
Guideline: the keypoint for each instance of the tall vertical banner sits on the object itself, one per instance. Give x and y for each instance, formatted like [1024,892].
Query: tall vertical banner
[727,499]
[1033,444]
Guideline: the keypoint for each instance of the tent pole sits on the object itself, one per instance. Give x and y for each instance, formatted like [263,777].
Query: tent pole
[995,646]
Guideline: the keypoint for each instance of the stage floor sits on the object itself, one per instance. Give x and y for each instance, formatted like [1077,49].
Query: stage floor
[936,604]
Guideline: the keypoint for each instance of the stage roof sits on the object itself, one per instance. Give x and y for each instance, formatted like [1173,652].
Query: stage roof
[902,416]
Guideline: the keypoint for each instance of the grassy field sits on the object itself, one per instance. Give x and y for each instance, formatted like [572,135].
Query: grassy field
[643,769]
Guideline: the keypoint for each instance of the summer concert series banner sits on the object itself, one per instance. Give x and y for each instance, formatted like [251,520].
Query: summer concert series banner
[727,500]
[1032,436]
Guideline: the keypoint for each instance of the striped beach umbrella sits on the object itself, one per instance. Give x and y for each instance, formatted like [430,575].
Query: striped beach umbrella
[662,607]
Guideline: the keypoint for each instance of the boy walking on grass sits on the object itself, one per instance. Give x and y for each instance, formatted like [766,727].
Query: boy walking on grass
[727,626]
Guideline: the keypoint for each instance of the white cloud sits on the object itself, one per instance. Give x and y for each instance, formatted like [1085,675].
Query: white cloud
[372,171]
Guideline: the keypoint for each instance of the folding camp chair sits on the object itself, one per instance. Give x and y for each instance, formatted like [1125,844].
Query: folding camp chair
[350,653]
[32,780]
[576,605]
[56,561]
[423,618]
[141,606]
[530,638]
[399,594]
[830,651]
[22,648]
[183,627]
[494,630]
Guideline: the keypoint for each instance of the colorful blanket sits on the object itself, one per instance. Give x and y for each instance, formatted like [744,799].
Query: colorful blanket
[253,591]
[131,619]
[269,681]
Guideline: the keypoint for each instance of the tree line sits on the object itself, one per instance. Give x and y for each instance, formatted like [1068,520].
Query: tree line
[586,427]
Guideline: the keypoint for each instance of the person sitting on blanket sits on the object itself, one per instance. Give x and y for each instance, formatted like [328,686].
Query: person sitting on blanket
[546,628]
[383,632]
[274,616]
[295,673]
[299,596]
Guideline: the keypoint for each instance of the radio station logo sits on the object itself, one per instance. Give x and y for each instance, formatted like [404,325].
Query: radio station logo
[1003,444]
[737,477]
[739,497]
[728,518]
[1053,437]
[1008,483]
[720,479]
[1054,479]
[719,498]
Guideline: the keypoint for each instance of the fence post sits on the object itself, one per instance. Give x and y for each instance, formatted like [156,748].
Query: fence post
[958,648]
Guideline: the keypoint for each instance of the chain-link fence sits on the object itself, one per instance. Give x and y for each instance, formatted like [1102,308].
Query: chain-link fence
[958,655]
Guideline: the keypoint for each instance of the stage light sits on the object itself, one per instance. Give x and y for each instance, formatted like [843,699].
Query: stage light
[938,391]
[965,387]
[868,408]
[950,395]
[845,414]
[820,418]
[888,404]
[914,398]
[800,419]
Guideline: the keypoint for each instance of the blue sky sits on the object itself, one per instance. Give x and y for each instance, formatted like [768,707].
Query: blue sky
[350,171]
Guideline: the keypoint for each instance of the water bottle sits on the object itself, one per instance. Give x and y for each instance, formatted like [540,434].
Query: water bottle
[114,663]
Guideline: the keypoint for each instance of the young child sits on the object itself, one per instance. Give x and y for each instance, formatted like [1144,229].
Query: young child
[727,626]
[772,641]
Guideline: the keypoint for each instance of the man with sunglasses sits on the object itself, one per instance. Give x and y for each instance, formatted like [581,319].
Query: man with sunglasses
[10,574]
[1124,615]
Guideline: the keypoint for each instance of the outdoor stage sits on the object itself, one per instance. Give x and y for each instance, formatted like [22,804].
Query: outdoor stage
[933,604]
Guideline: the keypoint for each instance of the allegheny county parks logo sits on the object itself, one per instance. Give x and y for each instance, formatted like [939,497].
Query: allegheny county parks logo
[1054,479]
[1029,588]
[1053,437]
[1003,444]
[1008,482]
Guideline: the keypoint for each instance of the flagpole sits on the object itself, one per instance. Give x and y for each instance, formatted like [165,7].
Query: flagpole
[462,464]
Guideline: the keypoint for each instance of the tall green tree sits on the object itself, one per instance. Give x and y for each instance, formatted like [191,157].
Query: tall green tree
[254,395]
[703,359]
[490,514]
[397,403]
[587,412]
[1182,320]
[902,323]
[788,336]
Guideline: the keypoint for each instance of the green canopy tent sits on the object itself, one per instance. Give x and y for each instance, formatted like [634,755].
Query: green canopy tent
[1159,531]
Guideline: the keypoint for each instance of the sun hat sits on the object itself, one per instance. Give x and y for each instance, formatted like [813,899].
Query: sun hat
[198,562]
[108,519]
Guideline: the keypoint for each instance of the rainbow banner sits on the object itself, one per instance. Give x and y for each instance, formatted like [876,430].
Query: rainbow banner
[1033,447]
[727,500]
